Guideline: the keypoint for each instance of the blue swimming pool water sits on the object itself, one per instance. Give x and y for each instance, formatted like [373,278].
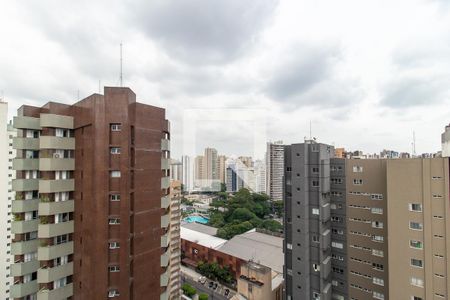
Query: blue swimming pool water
[198,219]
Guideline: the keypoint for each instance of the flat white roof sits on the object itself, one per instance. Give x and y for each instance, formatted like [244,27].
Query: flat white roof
[201,238]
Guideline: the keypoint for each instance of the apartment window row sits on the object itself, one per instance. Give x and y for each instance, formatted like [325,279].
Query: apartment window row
[337,257]
[336,168]
[376,252]
[415,207]
[358,287]
[378,267]
[337,270]
[360,233]
[336,194]
[337,219]
[359,206]
[361,247]
[337,231]
[378,281]
[336,180]
[337,245]
[361,261]
[360,220]
[361,274]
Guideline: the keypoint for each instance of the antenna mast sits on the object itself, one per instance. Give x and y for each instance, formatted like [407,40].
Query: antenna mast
[121,73]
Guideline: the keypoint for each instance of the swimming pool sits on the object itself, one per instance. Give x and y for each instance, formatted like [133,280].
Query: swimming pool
[198,219]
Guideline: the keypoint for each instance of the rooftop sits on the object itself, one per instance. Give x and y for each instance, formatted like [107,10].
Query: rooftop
[203,239]
[200,228]
[261,248]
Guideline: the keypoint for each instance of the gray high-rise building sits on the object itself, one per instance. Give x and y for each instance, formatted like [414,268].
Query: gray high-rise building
[314,243]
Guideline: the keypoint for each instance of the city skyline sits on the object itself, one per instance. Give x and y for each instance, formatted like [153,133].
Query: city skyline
[393,74]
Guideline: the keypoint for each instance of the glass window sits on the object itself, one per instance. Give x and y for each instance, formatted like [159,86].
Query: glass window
[115,174]
[415,225]
[116,127]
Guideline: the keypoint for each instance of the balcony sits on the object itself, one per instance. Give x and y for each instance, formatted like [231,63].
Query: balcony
[165,164]
[51,252]
[164,279]
[55,273]
[165,221]
[18,227]
[165,145]
[52,230]
[25,143]
[56,164]
[55,142]
[23,268]
[21,122]
[325,241]
[19,248]
[57,121]
[56,294]
[53,208]
[165,259]
[325,268]
[58,185]
[21,185]
[165,202]
[19,206]
[165,240]
[165,182]
[21,290]
[20,164]
[164,296]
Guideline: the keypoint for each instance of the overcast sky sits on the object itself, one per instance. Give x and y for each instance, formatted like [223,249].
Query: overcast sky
[365,73]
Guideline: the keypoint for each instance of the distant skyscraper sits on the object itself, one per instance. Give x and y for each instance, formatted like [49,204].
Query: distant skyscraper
[187,175]
[211,165]
[260,176]
[275,170]
[7,133]
[176,170]
[198,170]
[222,168]
[445,138]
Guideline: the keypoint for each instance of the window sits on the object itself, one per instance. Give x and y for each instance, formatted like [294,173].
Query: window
[376,210]
[316,267]
[315,211]
[61,239]
[315,170]
[416,281]
[114,221]
[337,245]
[415,207]
[115,174]
[377,224]
[113,293]
[376,196]
[416,244]
[416,262]
[357,169]
[415,225]
[316,296]
[116,127]
[315,239]
[59,261]
[60,218]
[378,281]
[357,181]
[315,183]
[377,295]
[113,269]
[416,298]
[378,267]
[115,150]
[376,252]
[29,256]
[114,197]
[114,245]
[377,238]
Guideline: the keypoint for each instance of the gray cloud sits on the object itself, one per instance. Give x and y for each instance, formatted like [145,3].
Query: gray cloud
[203,31]
[410,91]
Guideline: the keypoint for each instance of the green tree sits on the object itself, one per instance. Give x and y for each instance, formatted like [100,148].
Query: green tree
[203,297]
[242,214]
[216,219]
[188,290]
[272,225]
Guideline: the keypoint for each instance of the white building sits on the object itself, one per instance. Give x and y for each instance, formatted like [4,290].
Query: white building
[6,196]
[187,173]
[275,170]
[260,176]
[176,170]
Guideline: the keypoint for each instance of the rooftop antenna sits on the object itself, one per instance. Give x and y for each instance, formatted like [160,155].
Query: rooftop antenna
[121,60]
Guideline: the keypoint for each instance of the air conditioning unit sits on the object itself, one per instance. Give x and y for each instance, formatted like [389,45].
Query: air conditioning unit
[56,155]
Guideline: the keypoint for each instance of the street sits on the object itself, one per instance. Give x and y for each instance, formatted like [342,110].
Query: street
[203,289]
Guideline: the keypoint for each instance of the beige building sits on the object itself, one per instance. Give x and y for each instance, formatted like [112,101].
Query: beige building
[222,168]
[397,223]
[258,282]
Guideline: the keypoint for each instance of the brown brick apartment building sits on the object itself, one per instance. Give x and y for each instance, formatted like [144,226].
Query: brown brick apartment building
[92,215]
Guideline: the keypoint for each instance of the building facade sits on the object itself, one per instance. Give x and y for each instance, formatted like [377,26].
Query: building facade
[93,200]
[187,174]
[308,228]
[7,133]
[275,170]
